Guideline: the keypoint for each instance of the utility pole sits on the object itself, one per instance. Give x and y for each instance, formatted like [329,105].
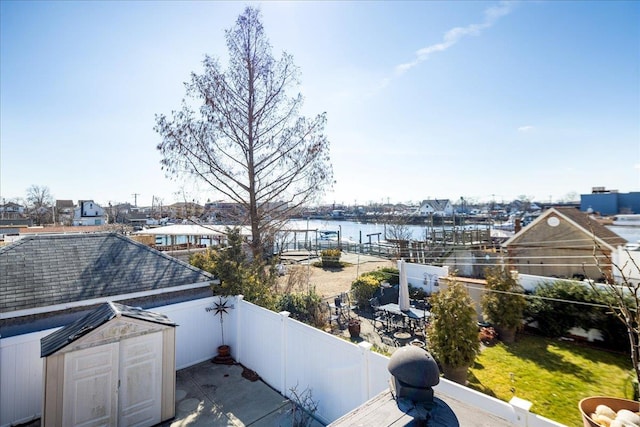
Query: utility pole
[135,199]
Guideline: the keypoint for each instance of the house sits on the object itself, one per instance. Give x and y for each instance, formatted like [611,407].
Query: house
[560,243]
[49,280]
[88,213]
[63,212]
[435,207]
[11,210]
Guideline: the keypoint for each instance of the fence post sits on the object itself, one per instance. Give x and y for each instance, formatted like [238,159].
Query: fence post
[284,317]
[239,334]
[521,408]
[365,352]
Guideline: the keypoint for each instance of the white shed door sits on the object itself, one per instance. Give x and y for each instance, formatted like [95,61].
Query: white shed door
[141,380]
[91,381]
[118,384]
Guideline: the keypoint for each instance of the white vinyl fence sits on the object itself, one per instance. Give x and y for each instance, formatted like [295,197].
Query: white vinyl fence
[285,353]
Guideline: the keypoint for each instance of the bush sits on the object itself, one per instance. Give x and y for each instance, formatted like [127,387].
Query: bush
[331,258]
[364,287]
[503,303]
[453,333]
[556,312]
[305,307]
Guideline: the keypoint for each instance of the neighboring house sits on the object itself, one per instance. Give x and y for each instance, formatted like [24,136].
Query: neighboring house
[560,243]
[436,207]
[11,210]
[88,213]
[64,212]
[185,209]
[50,280]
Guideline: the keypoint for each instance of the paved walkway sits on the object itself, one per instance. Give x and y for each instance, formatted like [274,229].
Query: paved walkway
[209,394]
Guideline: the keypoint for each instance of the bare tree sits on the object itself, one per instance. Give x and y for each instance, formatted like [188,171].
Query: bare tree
[40,204]
[622,295]
[247,140]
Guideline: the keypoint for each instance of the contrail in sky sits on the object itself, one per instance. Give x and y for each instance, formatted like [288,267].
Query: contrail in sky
[453,36]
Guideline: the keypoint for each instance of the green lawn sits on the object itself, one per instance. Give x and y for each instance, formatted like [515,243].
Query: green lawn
[553,375]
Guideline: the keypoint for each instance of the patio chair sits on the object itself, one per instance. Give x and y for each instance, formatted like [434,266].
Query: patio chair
[334,316]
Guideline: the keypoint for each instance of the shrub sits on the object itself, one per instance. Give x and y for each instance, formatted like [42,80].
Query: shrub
[331,258]
[364,287]
[305,307]
[553,308]
[503,303]
[453,332]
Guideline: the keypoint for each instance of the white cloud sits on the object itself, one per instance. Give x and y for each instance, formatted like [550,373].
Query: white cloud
[527,128]
[454,35]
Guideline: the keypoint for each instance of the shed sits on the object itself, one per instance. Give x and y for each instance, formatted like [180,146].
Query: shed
[114,366]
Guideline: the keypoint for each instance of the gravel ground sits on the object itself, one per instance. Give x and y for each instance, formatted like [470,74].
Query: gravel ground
[330,282]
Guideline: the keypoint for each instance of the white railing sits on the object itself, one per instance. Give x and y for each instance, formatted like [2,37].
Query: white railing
[286,354]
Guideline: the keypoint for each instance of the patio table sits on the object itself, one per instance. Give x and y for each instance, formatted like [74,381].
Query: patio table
[413,315]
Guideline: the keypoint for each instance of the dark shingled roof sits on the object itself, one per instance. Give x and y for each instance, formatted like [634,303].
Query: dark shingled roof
[39,271]
[65,336]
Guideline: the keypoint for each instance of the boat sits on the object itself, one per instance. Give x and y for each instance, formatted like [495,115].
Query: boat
[628,220]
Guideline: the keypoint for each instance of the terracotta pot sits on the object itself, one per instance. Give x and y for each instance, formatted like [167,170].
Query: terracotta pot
[456,374]
[588,406]
[506,335]
[224,350]
[354,328]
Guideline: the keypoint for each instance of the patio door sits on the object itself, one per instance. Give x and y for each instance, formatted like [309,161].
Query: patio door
[117,384]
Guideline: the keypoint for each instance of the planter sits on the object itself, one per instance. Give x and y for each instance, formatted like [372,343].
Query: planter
[224,350]
[588,406]
[224,356]
[354,328]
[506,335]
[456,374]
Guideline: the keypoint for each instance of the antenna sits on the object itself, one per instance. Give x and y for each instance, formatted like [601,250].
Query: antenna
[135,199]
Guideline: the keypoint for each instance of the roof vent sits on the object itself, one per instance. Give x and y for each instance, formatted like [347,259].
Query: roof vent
[414,373]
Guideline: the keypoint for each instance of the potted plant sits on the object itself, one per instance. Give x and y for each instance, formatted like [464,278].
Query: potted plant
[224,351]
[354,327]
[503,302]
[452,335]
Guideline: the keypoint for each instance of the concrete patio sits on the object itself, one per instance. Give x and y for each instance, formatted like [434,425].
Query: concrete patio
[210,394]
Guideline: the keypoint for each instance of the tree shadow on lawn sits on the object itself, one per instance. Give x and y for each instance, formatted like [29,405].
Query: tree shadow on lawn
[474,382]
[536,349]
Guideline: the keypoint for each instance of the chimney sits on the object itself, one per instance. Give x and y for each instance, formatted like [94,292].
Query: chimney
[518,225]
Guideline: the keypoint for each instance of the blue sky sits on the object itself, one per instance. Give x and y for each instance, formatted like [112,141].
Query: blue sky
[433,99]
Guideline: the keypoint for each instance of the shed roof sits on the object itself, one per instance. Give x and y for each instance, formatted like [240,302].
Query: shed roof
[582,220]
[105,312]
[45,270]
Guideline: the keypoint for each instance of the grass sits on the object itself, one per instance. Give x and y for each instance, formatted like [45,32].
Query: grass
[553,375]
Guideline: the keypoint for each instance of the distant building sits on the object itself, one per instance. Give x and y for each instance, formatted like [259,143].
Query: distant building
[610,202]
[11,210]
[88,213]
[436,207]
[64,212]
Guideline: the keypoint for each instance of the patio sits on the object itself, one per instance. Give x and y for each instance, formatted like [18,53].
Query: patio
[209,394]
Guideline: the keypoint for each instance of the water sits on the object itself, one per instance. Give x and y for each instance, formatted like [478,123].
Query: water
[361,232]
[357,232]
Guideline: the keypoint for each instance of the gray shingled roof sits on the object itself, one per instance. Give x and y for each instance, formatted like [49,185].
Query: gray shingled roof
[107,311]
[39,271]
